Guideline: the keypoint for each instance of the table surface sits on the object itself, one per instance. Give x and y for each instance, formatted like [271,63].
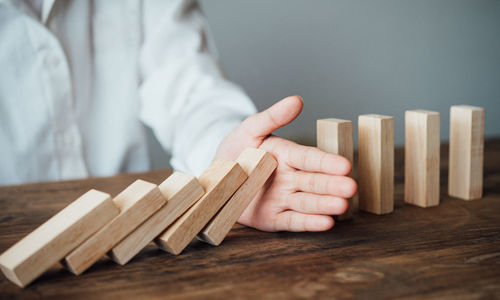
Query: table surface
[449,251]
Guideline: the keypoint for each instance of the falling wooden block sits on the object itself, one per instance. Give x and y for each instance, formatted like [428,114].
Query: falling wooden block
[220,181]
[335,136]
[136,203]
[258,165]
[465,178]
[376,163]
[181,191]
[49,243]
[422,144]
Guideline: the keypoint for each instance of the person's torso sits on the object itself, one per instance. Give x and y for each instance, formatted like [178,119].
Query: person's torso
[69,90]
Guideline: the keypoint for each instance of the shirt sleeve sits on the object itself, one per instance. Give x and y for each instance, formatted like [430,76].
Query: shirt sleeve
[184,96]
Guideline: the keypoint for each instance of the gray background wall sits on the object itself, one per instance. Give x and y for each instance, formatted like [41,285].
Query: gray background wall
[351,57]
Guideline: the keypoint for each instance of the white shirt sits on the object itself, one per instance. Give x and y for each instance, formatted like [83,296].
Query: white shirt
[80,79]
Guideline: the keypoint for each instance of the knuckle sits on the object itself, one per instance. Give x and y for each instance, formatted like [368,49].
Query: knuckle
[271,118]
[296,180]
[327,185]
[321,162]
[303,203]
[282,203]
[311,181]
[306,154]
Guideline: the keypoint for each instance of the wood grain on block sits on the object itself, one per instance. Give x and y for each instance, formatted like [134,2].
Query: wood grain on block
[220,181]
[136,203]
[258,165]
[49,243]
[465,179]
[181,191]
[335,136]
[422,143]
[376,163]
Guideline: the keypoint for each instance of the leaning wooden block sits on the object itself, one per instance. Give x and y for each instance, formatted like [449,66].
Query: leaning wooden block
[422,144]
[258,165]
[181,191]
[376,163]
[465,179]
[49,243]
[335,136]
[220,181]
[136,203]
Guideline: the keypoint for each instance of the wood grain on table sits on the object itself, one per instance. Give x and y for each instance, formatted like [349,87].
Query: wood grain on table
[449,251]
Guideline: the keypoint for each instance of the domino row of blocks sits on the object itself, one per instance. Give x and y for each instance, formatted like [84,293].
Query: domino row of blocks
[171,214]
[422,156]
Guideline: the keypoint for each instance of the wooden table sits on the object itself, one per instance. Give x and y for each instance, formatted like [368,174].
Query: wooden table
[450,251]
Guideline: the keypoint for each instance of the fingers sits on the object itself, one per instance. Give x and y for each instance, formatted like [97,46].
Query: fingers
[322,184]
[276,116]
[298,222]
[316,204]
[314,160]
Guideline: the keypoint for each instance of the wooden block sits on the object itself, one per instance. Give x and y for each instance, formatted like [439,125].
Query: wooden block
[181,191]
[376,163]
[136,203]
[422,143]
[49,243]
[335,136]
[465,178]
[258,165]
[220,181]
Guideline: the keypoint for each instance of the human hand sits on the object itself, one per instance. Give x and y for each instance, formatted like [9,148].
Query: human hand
[308,186]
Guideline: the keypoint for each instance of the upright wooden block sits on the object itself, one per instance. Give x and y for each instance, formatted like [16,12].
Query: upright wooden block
[258,165]
[422,143]
[335,136]
[136,203]
[465,179]
[181,191]
[376,163]
[220,181]
[49,243]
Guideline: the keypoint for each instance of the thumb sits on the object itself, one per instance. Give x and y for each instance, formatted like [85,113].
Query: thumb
[276,116]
